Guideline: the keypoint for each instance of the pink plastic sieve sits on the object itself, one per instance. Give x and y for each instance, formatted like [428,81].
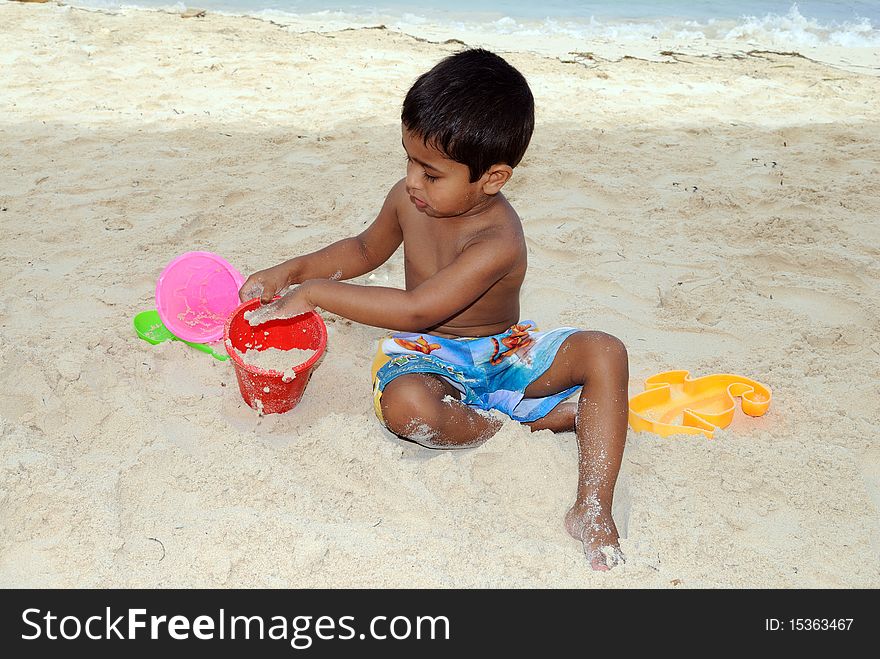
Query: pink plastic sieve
[195,294]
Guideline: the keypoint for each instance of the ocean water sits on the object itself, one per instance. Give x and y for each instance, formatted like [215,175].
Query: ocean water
[774,23]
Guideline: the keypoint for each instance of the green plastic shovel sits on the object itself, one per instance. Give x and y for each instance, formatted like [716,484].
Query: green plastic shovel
[150,328]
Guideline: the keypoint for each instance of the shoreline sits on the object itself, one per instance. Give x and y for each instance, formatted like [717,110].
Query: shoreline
[856,59]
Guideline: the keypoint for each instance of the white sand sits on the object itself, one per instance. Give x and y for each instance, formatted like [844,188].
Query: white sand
[275,359]
[717,214]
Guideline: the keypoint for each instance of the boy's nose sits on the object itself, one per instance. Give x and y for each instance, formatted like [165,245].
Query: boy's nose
[412,177]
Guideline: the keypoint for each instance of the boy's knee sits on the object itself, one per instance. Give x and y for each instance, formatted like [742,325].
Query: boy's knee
[612,346]
[602,351]
[409,408]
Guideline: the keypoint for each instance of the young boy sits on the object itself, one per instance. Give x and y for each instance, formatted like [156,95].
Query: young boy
[462,347]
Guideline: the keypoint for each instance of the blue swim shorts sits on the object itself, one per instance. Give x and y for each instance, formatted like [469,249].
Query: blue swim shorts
[491,372]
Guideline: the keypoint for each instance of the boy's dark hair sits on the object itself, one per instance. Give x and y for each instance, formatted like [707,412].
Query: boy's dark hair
[474,107]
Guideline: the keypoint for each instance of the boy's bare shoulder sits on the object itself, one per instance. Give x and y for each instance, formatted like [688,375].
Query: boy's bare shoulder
[502,226]
[500,218]
[397,194]
[497,237]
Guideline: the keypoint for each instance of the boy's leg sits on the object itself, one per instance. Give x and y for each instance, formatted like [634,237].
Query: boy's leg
[599,362]
[426,409]
[560,419]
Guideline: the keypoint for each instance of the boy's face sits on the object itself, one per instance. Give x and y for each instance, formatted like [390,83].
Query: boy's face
[438,186]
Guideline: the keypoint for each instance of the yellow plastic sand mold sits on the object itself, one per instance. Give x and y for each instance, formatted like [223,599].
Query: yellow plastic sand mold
[675,404]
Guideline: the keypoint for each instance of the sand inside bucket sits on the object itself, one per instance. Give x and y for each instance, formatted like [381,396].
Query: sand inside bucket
[275,359]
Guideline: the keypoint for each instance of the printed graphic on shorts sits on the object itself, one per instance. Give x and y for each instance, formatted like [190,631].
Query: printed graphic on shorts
[491,372]
[419,345]
[517,339]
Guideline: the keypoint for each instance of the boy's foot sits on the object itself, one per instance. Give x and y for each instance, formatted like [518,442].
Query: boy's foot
[596,529]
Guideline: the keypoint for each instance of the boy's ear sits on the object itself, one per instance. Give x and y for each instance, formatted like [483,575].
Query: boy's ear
[496,177]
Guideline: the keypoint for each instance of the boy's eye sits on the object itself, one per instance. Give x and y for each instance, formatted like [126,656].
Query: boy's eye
[427,176]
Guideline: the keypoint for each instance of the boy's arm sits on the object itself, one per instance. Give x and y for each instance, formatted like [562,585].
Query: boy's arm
[434,301]
[344,259]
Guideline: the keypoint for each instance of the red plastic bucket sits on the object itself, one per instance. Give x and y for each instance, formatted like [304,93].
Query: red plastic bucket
[267,391]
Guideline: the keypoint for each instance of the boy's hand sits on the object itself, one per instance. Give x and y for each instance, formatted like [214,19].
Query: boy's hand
[265,284]
[293,302]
